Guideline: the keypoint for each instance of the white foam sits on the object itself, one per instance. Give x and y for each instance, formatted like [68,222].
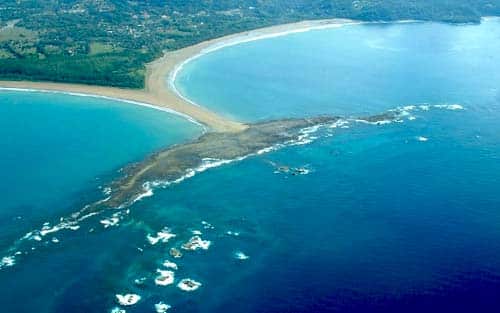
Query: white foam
[232,233]
[188,284]
[381,122]
[409,107]
[139,281]
[65,223]
[240,255]
[108,222]
[148,192]
[267,150]
[7,261]
[422,138]
[207,163]
[452,107]
[165,278]
[162,307]
[38,235]
[405,112]
[254,36]
[27,235]
[196,232]
[196,243]
[164,236]
[303,138]
[117,310]
[169,264]
[128,299]
[46,229]
[340,123]
[80,94]
[207,225]
[303,170]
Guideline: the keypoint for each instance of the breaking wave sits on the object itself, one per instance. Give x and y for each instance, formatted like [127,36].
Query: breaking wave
[45,235]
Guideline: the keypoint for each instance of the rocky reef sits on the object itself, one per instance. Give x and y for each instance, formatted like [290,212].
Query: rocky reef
[175,162]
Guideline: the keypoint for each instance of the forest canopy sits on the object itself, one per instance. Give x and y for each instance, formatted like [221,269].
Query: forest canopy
[108,42]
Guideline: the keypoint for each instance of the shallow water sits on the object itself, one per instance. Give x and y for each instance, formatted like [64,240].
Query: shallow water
[389,218]
[57,150]
[352,70]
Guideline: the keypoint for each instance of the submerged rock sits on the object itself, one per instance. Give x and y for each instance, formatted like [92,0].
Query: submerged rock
[188,284]
[240,255]
[128,299]
[177,162]
[165,278]
[196,243]
[285,169]
[162,307]
[140,281]
[169,264]
[176,253]
[164,236]
[212,149]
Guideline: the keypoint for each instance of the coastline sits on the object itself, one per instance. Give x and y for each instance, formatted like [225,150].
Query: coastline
[160,92]
[159,170]
[95,95]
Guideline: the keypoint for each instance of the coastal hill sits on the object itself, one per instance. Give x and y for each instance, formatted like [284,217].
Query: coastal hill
[108,42]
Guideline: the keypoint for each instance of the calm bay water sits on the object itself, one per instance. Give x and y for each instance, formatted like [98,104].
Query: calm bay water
[352,70]
[391,218]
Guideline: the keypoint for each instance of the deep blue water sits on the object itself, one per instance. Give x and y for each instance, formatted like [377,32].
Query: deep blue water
[384,222]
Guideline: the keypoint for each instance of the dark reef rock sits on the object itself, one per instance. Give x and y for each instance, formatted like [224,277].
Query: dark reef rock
[174,162]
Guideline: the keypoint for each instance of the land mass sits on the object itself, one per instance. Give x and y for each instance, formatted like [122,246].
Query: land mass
[108,42]
[224,141]
[174,164]
[211,149]
[159,93]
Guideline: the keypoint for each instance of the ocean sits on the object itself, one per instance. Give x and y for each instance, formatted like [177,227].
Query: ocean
[394,217]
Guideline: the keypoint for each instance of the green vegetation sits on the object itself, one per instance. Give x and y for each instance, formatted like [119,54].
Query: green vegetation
[103,48]
[107,42]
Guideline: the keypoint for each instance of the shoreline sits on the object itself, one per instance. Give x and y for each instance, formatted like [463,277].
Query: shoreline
[91,95]
[216,44]
[160,92]
[209,46]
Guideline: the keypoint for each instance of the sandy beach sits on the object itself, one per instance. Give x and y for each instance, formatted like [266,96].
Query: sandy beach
[161,93]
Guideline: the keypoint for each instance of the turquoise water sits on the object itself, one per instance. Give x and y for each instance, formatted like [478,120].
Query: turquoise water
[353,70]
[401,217]
[57,150]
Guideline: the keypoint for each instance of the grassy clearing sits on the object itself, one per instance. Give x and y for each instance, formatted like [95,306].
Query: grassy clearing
[17,34]
[96,48]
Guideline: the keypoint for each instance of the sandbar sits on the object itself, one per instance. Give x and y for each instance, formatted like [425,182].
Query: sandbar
[160,92]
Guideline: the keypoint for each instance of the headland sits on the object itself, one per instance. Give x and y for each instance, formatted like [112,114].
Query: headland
[224,140]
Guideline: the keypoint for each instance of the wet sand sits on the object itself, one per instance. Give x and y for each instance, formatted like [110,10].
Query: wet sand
[158,91]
